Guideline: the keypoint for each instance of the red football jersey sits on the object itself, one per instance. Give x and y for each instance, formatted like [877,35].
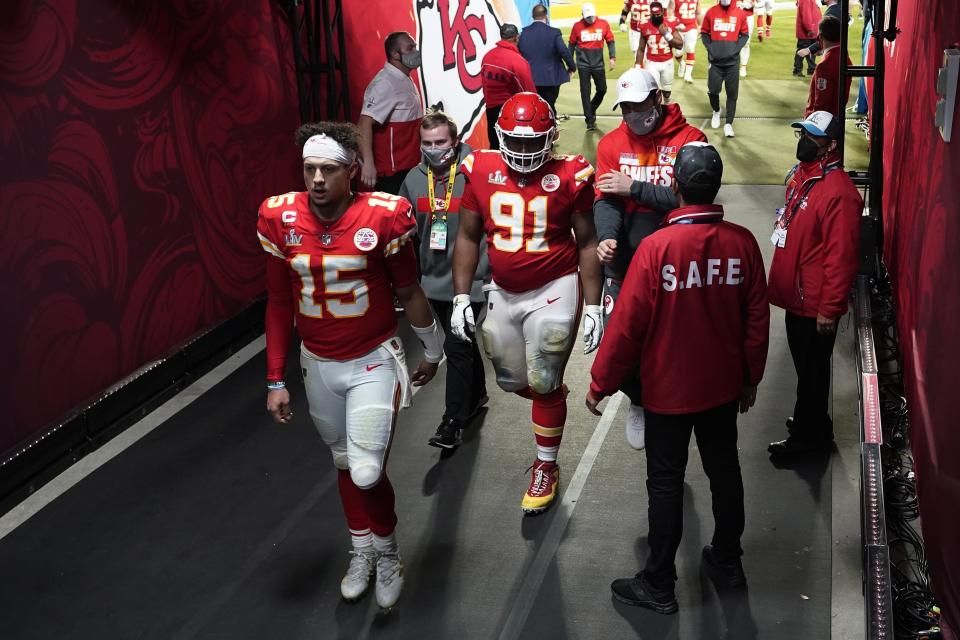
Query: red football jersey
[657,47]
[528,217]
[687,12]
[639,11]
[339,277]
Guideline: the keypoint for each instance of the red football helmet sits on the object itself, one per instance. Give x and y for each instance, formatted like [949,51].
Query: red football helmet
[526,129]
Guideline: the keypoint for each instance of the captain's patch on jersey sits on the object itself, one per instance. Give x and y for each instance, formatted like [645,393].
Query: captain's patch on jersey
[365,239]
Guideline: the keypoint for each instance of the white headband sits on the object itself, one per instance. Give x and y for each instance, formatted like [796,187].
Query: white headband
[323,146]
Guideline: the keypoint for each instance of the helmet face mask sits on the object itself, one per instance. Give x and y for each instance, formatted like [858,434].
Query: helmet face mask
[525,152]
[526,130]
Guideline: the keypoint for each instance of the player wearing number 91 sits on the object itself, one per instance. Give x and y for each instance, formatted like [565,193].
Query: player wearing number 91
[335,259]
[526,201]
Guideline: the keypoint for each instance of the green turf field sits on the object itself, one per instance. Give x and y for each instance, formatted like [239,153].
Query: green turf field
[770,98]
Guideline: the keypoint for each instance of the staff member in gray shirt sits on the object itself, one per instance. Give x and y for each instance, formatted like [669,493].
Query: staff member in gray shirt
[435,188]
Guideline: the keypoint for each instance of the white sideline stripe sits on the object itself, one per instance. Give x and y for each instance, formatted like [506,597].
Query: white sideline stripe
[537,570]
[96,459]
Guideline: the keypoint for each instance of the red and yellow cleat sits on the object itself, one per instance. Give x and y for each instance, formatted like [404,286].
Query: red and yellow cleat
[544,486]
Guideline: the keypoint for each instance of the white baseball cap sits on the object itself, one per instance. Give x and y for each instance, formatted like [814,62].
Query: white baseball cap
[635,85]
[589,10]
[820,123]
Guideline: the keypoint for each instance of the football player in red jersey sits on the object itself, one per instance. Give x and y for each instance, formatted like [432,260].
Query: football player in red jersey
[689,13]
[335,260]
[526,201]
[635,13]
[661,34]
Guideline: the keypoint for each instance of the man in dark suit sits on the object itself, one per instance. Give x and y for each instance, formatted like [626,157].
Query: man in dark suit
[550,60]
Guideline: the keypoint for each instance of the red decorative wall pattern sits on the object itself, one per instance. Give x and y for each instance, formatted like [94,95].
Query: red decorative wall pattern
[137,139]
[921,236]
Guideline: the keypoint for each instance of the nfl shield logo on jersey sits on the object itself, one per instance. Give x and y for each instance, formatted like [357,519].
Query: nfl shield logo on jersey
[365,239]
[461,32]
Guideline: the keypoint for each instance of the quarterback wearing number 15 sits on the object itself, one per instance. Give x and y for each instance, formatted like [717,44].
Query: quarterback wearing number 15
[525,201]
[335,259]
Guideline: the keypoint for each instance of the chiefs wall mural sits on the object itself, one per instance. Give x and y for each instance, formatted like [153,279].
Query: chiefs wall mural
[137,140]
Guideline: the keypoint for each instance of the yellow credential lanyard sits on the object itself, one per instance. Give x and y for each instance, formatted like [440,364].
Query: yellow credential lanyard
[431,191]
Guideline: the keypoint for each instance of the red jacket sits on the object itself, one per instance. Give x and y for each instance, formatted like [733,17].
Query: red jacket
[808,19]
[693,313]
[825,84]
[503,73]
[814,270]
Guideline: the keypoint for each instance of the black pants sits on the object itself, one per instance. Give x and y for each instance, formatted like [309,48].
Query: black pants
[590,105]
[550,95]
[729,77]
[811,353]
[391,184]
[492,114]
[803,43]
[466,383]
[668,440]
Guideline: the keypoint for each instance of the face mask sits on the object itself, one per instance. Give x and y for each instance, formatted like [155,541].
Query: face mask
[807,149]
[590,20]
[438,157]
[410,59]
[725,3]
[656,20]
[643,122]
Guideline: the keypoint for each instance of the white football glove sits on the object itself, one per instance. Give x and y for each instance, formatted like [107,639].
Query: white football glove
[623,27]
[461,319]
[592,327]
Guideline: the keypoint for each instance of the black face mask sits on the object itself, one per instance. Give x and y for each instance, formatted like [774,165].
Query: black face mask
[807,149]
[656,20]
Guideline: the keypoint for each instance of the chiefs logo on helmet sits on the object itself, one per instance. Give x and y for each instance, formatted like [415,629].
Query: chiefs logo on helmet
[527,130]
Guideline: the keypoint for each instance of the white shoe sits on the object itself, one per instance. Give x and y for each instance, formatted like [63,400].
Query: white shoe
[715,120]
[357,580]
[681,68]
[728,130]
[743,72]
[389,578]
[636,425]
[688,76]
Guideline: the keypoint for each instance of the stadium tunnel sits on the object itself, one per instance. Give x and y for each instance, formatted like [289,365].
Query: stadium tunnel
[147,494]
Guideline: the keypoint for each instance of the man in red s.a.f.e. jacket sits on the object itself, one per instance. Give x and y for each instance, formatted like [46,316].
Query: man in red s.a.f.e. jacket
[693,312]
[815,259]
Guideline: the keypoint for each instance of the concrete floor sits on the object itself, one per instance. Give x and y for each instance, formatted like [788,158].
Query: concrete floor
[219,524]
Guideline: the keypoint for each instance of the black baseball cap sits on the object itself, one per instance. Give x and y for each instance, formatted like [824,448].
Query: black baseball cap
[698,164]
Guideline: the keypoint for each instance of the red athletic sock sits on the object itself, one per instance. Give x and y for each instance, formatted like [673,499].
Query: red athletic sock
[549,416]
[769,20]
[379,505]
[690,59]
[759,22]
[353,505]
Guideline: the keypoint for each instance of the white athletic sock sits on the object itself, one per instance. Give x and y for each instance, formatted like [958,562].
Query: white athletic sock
[384,544]
[361,539]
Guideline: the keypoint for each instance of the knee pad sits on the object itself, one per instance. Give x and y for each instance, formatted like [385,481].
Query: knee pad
[366,476]
[495,347]
[553,345]
[369,431]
